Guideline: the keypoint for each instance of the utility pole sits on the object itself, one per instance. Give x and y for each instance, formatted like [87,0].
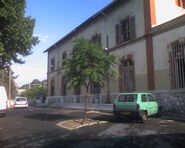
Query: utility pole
[9,82]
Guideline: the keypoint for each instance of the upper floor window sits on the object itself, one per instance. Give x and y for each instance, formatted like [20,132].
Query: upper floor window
[180,3]
[52,65]
[96,38]
[125,30]
[64,56]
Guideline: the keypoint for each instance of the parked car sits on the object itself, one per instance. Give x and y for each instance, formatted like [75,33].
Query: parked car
[3,101]
[21,102]
[136,105]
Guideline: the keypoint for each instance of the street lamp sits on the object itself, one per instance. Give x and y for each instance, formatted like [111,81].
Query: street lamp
[108,89]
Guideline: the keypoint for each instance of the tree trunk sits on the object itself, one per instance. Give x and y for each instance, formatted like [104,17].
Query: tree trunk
[85,105]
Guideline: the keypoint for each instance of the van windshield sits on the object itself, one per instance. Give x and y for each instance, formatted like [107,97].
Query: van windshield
[127,98]
[21,99]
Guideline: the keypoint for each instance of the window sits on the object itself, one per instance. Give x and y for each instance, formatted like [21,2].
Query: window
[52,91]
[127,75]
[63,86]
[144,98]
[127,98]
[180,3]
[52,66]
[177,64]
[151,98]
[96,38]
[125,30]
[77,90]
[64,56]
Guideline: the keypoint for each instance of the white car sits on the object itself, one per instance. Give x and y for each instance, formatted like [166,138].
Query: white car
[21,102]
[3,101]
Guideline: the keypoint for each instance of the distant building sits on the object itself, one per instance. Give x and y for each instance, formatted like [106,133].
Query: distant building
[149,37]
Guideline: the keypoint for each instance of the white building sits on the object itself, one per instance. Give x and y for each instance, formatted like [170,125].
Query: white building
[149,37]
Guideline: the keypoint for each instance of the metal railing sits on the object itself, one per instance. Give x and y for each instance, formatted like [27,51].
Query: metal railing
[96,99]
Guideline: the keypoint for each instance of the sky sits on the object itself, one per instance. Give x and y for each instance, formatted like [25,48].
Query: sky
[54,19]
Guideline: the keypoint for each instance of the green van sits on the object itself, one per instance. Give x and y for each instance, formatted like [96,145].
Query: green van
[138,105]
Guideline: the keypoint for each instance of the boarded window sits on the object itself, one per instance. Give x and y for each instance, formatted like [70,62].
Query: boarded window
[52,65]
[77,90]
[180,3]
[64,56]
[127,76]
[96,38]
[177,64]
[63,87]
[52,85]
[125,30]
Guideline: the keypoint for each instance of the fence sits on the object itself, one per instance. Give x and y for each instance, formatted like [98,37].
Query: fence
[94,100]
[171,101]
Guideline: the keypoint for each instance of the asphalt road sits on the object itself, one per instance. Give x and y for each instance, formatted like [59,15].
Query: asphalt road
[36,127]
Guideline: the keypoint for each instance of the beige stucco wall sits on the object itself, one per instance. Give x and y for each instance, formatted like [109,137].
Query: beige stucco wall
[138,50]
[167,10]
[161,64]
[106,26]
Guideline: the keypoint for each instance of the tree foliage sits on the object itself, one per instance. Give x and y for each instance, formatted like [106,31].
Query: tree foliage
[16,32]
[35,92]
[88,64]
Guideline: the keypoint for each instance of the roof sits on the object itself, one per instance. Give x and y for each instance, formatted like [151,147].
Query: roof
[102,12]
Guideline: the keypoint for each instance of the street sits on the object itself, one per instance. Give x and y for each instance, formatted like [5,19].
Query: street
[36,127]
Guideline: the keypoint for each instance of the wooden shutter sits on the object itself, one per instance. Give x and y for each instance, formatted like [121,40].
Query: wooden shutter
[99,38]
[132,27]
[120,78]
[117,29]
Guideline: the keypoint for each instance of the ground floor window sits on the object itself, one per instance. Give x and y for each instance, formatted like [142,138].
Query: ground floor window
[177,64]
[127,74]
[63,86]
[52,90]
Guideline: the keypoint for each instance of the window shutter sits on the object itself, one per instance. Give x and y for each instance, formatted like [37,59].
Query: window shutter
[132,27]
[99,38]
[117,28]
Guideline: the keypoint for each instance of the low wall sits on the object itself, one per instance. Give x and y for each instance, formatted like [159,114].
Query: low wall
[172,102]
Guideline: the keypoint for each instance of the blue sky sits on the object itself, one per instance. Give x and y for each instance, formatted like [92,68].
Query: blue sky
[54,19]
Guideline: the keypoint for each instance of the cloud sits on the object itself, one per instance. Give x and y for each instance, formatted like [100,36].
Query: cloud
[43,38]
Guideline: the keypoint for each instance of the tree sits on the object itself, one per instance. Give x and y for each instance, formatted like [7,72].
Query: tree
[35,92]
[88,64]
[16,32]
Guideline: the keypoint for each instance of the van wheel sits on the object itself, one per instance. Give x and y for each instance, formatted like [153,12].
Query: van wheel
[143,117]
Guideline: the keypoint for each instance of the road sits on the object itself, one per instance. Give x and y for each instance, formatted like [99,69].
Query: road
[36,127]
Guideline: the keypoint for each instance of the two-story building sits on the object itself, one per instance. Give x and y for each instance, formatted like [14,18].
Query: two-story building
[147,35]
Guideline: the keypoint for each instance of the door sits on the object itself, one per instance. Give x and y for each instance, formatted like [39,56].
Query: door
[153,106]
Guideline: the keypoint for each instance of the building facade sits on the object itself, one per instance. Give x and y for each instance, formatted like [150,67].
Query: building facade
[149,41]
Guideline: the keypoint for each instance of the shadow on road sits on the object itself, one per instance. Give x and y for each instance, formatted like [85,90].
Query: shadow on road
[148,141]
[47,117]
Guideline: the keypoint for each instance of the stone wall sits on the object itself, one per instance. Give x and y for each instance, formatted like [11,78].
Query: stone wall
[172,102]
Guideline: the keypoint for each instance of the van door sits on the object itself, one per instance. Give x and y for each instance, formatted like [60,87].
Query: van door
[153,104]
[126,102]
[145,104]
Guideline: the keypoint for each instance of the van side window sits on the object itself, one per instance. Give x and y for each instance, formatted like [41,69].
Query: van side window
[151,98]
[144,98]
